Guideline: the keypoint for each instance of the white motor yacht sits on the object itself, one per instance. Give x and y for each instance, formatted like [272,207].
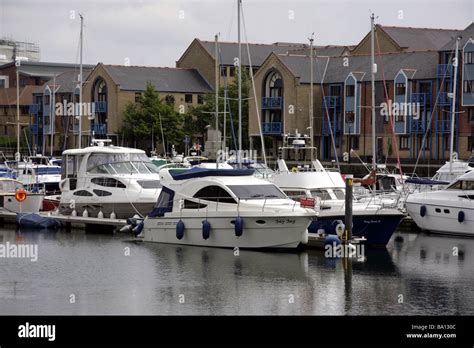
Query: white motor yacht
[225,208]
[108,181]
[372,221]
[447,211]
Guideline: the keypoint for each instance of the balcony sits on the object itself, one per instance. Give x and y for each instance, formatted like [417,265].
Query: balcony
[34,129]
[444,99]
[35,109]
[422,98]
[272,103]
[100,106]
[443,126]
[444,70]
[335,126]
[331,102]
[99,128]
[272,127]
[418,126]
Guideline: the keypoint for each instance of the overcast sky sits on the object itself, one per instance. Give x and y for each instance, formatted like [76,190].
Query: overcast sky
[156,32]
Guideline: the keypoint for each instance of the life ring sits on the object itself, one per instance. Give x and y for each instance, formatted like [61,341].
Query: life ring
[294,170]
[20,195]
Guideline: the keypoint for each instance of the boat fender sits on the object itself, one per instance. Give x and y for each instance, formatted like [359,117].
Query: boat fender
[423,211]
[206,229]
[180,230]
[138,229]
[239,226]
[461,217]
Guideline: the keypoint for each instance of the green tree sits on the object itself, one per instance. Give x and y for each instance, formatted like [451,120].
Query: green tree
[197,118]
[142,120]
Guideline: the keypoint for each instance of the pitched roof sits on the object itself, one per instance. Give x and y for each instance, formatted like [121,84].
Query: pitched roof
[135,78]
[8,96]
[419,39]
[329,50]
[44,69]
[65,82]
[258,52]
[336,72]
[466,34]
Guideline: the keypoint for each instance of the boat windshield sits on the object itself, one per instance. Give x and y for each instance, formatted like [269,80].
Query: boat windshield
[257,192]
[461,185]
[10,186]
[124,163]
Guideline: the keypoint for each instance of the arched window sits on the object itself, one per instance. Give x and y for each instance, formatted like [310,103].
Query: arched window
[99,92]
[274,84]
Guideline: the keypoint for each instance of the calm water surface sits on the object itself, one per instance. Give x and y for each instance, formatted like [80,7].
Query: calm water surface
[109,274]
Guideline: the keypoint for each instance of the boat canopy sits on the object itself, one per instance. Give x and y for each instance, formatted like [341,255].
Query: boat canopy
[204,172]
[424,181]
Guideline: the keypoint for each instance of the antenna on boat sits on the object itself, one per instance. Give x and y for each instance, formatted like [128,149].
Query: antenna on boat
[311,113]
[453,113]
[216,37]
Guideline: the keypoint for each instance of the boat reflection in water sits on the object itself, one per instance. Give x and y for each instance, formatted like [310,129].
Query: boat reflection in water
[115,275]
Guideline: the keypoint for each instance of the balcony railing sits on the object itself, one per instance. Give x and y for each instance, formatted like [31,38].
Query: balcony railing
[331,102]
[445,70]
[99,128]
[272,127]
[35,109]
[422,98]
[418,126]
[444,99]
[100,106]
[335,126]
[269,103]
[444,126]
[34,129]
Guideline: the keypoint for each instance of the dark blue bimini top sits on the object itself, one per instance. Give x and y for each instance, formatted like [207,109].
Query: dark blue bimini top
[420,181]
[203,172]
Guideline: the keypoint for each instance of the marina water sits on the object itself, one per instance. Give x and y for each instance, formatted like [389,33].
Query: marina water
[77,273]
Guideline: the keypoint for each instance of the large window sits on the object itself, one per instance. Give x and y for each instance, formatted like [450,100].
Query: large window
[462,185]
[214,194]
[257,191]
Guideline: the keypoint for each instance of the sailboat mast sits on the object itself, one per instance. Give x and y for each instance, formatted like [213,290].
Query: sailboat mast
[80,85]
[217,97]
[239,154]
[372,71]
[453,108]
[52,115]
[17,64]
[311,113]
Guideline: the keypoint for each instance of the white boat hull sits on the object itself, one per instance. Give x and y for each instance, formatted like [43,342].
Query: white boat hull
[276,231]
[441,222]
[32,203]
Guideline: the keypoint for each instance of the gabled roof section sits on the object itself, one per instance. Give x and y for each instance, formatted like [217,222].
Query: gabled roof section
[135,78]
[465,34]
[65,82]
[258,52]
[336,69]
[45,69]
[420,39]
